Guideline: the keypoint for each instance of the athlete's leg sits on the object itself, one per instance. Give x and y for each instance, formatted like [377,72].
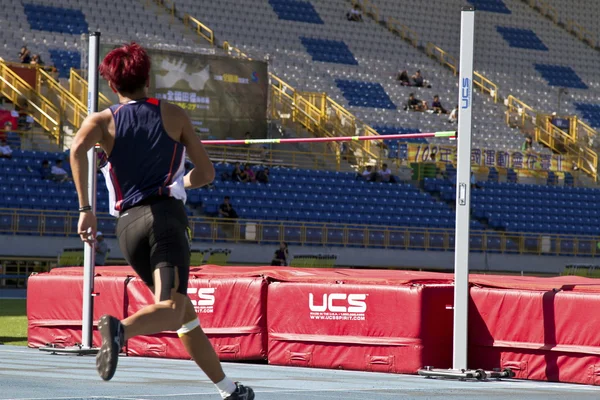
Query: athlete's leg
[197,345]
[167,312]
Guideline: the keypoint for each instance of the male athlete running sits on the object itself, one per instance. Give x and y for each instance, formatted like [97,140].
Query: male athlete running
[146,141]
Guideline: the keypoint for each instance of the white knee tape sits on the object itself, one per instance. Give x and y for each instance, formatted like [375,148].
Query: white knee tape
[187,328]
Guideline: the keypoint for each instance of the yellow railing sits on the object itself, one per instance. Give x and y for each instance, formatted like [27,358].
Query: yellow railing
[234,51]
[570,25]
[573,143]
[72,109]
[201,29]
[520,114]
[545,9]
[581,32]
[443,57]
[78,87]
[403,31]
[486,85]
[316,159]
[314,233]
[20,92]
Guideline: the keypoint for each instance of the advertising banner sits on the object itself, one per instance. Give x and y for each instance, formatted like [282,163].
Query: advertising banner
[224,96]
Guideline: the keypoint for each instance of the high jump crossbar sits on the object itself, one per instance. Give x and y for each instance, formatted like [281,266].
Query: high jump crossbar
[442,134]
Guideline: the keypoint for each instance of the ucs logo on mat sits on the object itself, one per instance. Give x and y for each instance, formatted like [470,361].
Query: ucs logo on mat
[203,299]
[338,306]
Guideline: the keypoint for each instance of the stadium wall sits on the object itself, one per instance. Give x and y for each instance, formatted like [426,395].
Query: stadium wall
[244,254]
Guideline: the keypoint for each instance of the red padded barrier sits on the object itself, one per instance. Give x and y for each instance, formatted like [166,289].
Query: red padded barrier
[542,335]
[54,307]
[362,327]
[232,312]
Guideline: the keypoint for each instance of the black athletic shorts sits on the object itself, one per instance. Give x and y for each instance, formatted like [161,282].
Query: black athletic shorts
[155,234]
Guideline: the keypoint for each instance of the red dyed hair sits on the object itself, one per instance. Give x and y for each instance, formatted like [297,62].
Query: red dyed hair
[127,67]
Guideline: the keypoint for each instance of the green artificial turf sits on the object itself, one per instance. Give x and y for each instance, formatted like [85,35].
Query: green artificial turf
[13,322]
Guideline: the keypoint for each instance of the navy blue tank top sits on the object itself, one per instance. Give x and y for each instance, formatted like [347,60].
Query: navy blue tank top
[144,161]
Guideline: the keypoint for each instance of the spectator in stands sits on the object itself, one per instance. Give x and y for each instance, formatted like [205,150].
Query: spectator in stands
[263,175]
[366,174]
[226,210]
[355,14]
[59,174]
[281,255]
[527,144]
[7,128]
[403,78]
[415,104]
[386,174]
[238,174]
[370,174]
[437,107]
[101,249]
[37,60]
[249,174]
[417,79]
[25,55]
[453,118]
[5,150]
[45,170]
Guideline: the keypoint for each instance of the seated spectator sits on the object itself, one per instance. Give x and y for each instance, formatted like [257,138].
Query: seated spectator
[226,209]
[453,118]
[238,174]
[37,60]
[415,104]
[527,144]
[403,78]
[45,170]
[5,150]
[25,55]
[102,249]
[263,175]
[281,255]
[355,14]
[437,107]
[7,128]
[370,174]
[249,174]
[417,79]
[386,174]
[59,174]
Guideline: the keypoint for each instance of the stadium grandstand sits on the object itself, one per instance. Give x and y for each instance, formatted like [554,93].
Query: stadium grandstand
[282,69]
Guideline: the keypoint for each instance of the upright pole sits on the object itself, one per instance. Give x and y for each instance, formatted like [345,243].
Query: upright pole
[89,256]
[463,190]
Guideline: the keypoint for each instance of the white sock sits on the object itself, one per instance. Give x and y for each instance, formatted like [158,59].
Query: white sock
[226,387]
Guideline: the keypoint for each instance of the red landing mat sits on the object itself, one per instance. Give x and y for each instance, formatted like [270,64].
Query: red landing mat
[232,312]
[54,304]
[547,332]
[362,327]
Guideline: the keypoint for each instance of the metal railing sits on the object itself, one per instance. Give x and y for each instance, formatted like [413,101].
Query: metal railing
[314,159]
[258,231]
[201,29]
[519,113]
[443,57]
[570,25]
[486,85]
[403,31]
[72,109]
[572,143]
[13,87]
[78,86]
[581,32]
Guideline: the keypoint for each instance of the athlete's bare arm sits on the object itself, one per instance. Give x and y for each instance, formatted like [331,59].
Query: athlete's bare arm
[203,172]
[92,131]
